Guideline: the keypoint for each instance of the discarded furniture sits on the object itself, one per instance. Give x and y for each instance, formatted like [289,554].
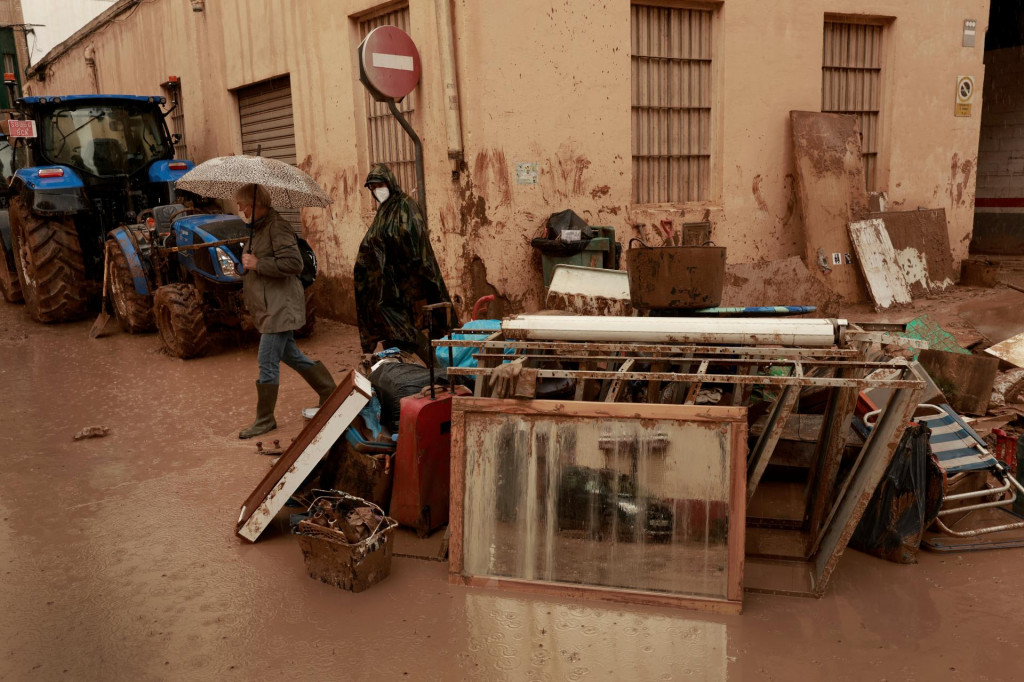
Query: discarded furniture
[969,468]
[831,192]
[615,501]
[658,362]
[920,240]
[297,462]
[965,379]
[589,291]
[1011,350]
[886,282]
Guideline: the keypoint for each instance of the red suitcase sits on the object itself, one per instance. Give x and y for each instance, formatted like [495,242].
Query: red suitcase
[420,495]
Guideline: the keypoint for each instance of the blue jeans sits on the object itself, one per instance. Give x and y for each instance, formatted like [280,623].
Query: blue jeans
[275,348]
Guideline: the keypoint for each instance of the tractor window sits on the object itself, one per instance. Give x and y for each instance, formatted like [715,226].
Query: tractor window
[103,141]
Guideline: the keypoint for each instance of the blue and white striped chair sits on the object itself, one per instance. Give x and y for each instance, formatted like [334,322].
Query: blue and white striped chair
[961,451]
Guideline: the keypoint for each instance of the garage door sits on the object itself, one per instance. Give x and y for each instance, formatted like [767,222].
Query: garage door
[265,112]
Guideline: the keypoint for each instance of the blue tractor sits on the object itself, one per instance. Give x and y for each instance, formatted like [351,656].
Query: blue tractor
[89,164]
[179,271]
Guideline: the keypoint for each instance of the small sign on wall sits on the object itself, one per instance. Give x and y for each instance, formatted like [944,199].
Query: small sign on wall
[970,29]
[526,173]
[964,95]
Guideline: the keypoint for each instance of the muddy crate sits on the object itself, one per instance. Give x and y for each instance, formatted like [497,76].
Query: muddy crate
[331,559]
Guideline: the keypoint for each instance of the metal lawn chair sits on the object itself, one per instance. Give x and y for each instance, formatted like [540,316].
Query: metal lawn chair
[962,454]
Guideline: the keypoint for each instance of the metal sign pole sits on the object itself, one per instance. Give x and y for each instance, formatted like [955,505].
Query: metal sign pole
[421,190]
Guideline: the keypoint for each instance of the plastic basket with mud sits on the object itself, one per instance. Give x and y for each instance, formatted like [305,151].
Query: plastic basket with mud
[346,541]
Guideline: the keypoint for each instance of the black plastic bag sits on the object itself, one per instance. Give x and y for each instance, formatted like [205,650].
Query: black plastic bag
[552,244]
[905,503]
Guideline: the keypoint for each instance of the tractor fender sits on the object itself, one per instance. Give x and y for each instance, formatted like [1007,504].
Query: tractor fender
[126,241]
[51,195]
[169,170]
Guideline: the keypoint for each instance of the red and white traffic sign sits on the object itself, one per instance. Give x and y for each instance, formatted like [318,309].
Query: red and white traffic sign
[389,63]
[22,128]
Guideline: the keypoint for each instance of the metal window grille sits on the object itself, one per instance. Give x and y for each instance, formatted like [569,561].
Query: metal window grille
[851,83]
[172,91]
[388,142]
[671,104]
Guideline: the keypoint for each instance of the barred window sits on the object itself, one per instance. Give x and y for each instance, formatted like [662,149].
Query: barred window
[671,103]
[851,83]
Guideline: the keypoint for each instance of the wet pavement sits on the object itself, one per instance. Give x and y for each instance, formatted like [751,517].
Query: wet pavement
[118,560]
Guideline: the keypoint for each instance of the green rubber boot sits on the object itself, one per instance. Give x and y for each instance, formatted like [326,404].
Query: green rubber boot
[266,400]
[320,380]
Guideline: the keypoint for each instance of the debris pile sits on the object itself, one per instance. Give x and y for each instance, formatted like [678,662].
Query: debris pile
[352,518]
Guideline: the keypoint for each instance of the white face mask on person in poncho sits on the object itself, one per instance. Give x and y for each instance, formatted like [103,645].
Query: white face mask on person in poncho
[381,194]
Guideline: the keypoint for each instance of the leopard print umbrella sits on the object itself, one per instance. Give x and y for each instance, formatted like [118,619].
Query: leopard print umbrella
[222,176]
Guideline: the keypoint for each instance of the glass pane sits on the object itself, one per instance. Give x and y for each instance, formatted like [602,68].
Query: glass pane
[103,140]
[608,502]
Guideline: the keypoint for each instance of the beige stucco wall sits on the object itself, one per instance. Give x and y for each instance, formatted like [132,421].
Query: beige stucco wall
[549,82]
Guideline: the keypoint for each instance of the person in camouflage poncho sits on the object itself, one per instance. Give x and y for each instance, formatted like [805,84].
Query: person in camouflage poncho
[396,273]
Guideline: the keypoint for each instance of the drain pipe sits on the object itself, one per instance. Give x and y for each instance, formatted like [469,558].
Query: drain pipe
[446,43]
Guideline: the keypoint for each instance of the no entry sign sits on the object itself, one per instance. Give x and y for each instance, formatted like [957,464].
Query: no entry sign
[389,63]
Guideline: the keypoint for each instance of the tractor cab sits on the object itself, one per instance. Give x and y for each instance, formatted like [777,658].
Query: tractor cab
[75,168]
[118,146]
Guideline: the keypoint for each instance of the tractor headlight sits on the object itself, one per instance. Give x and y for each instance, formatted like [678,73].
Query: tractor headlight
[227,264]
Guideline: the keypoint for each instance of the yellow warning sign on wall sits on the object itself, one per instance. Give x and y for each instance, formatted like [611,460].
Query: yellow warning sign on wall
[964,95]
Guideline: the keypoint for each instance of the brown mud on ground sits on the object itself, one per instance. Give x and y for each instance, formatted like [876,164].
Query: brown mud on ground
[971,314]
[118,560]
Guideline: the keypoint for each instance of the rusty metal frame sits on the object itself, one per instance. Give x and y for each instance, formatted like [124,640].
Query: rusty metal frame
[494,341]
[808,576]
[690,377]
[834,505]
[778,415]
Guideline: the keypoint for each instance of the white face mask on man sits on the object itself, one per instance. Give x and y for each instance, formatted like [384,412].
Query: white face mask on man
[381,193]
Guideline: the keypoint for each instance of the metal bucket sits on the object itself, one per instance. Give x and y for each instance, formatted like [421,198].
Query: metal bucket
[676,277]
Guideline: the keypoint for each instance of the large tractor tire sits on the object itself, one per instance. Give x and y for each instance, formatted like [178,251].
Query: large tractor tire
[306,330]
[134,310]
[10,285]
[50,265]
[178,309]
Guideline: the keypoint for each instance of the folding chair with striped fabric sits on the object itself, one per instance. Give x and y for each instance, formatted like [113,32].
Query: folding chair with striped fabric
[960,451]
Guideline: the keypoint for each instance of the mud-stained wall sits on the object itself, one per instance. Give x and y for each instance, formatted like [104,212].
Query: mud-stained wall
[548,82]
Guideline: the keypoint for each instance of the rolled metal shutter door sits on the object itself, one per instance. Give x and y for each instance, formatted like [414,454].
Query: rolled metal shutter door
[265,113]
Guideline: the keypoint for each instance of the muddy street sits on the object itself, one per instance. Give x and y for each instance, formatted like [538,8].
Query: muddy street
[118,559]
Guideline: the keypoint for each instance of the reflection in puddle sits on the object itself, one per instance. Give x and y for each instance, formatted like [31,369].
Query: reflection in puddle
[512,639]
